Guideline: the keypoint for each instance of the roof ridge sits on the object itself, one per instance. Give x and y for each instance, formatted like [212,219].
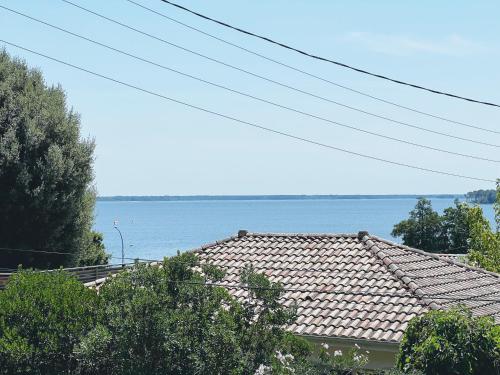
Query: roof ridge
[436,256]
[244,233]
[397,272]
[301,234]
[206,246]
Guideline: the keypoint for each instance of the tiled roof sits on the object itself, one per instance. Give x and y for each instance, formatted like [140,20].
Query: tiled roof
[354,286]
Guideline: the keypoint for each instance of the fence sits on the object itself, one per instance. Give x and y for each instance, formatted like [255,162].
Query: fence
[84,274]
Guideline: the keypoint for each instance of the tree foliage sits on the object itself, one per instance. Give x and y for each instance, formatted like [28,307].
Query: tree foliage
[481,196]
[172,320]
[94,253]
[42,318]
[485,242]
[169,319]
[450,343]
[164,319]
[46,193]
[425,229]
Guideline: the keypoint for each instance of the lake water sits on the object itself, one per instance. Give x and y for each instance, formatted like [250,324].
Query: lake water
[154,229]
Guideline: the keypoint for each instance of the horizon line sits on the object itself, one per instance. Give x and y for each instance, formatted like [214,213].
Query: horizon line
[274,196]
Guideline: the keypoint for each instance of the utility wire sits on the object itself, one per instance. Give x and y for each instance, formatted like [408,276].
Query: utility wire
[456,297]
[239,286]
[271,80]
[343,292]
[251,124]
[36,251]
[329,121]
[329,60]
[309,73]
[331,272]
[68,253]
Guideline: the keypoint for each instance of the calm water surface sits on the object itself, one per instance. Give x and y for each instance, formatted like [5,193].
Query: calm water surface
[152,230]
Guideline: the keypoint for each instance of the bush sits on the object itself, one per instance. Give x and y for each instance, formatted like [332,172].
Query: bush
[171,320]
[42,318]
[450,342]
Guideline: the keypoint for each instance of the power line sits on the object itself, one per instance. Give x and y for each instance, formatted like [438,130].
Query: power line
[311,74]
[456,298]
[331,272]
[36,251]
[68,253]
[344,291]
[271,80]
[251,124]
[302,52]
[304,290]
[329,121]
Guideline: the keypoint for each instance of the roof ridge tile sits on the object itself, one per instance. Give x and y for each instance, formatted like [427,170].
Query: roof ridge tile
[400,275]
[437,256]
[301,234]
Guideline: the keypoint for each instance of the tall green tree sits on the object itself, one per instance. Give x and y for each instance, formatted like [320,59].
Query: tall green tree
[484,241]
[46,192]
[456,228]
[423,229]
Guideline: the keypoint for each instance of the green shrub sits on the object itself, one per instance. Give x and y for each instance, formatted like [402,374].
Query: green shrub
[166,320]
[42,318]
[450,342]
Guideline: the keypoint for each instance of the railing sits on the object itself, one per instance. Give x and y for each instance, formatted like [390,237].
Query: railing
[83,274]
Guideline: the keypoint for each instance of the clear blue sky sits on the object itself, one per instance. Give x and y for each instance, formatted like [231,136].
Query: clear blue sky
[146,146]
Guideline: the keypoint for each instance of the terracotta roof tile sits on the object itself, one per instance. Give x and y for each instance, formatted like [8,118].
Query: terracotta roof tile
[359,288]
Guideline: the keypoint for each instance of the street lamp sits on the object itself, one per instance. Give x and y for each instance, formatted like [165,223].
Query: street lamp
[115,225]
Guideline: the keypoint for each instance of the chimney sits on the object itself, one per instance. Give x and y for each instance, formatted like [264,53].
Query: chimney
[242,233]
[362,234]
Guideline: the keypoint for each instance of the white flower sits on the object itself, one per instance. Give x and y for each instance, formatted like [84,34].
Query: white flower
[280,357]
[337,353]
[357,346]
[325,346]
[367,352]
[359,358]
[262,370]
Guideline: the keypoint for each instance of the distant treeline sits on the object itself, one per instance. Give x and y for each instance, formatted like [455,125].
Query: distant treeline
[266,197]
[481,196]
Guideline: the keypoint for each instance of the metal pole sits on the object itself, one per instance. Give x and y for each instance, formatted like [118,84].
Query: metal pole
[123,252]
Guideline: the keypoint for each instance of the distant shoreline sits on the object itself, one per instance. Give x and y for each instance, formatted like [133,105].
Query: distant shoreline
[175,198]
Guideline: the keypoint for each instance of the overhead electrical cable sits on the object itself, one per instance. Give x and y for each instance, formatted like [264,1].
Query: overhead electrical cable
[342,292]
[443,279]
[312,75]
[36,251]
[250,124]
[274,81]
[349,292]
[328,121]
[338,63]
[55,252]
